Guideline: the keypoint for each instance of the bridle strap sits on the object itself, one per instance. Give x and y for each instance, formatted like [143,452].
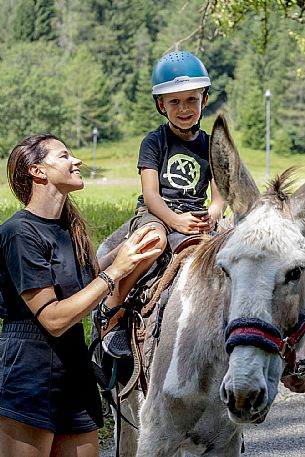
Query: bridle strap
[287,345]
[255,332]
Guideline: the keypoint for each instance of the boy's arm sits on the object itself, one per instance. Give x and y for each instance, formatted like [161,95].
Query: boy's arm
[184,223]
[153,199]
[217,206]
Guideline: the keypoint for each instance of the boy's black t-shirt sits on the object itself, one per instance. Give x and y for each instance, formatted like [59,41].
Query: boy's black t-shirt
[35,253]
[183,167]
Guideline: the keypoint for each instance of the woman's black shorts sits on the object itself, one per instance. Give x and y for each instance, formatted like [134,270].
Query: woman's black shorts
[47,382]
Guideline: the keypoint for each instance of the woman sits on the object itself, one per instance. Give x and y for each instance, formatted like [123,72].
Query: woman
[49,280]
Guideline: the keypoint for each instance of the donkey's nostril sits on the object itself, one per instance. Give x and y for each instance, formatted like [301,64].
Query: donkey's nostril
[231,401]
[258,399]
[224,395]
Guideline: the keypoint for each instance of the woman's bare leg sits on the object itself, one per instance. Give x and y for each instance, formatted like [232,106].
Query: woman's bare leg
[76,445]
[21,440]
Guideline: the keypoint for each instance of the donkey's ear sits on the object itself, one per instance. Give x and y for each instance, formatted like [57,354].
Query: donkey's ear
[232,178]
[297,205]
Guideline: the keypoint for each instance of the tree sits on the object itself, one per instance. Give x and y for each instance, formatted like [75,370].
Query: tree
[75,23]
[44,17]
[282,61]
[7,9]
[122,39]
[247,103]
[29,93]
[144,113]
[123,44]
[86,99]
[274,69]
[23,24]
[226,15]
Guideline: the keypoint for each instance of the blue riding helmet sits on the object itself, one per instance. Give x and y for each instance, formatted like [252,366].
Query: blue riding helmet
[176,72]
[179,71]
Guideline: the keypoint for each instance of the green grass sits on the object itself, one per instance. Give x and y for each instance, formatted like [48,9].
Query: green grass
[117,161]
[8,206]
[112,195]
[109,193]
[105,217]
[255,160]
[113,160]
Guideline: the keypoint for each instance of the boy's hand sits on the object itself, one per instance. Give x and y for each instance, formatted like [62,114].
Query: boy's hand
[191,224]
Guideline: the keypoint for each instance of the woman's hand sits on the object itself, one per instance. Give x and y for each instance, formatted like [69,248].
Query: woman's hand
[140,246]
[292,382]
[190,224]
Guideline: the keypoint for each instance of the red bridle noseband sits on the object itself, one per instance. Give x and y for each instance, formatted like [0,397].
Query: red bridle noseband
[255,332]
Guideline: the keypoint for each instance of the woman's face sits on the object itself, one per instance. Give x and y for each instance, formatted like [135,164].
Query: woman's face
[61,168]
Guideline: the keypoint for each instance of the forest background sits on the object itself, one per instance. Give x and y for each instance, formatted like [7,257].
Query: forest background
[68,66]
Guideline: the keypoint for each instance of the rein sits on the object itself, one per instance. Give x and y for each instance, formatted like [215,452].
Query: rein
[255,332]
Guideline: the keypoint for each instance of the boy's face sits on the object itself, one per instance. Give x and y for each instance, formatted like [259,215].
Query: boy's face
[182,108]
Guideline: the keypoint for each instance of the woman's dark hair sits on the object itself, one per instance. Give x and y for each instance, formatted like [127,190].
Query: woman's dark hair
[33,150]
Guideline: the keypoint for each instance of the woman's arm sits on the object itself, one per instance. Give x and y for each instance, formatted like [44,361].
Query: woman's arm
[59,316]
[293,383]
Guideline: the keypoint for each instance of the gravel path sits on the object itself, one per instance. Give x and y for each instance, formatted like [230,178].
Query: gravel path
[281,435]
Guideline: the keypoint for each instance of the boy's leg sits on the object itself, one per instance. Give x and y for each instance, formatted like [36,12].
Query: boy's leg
[105,261]
[126,284]
[116,341]
[18,439]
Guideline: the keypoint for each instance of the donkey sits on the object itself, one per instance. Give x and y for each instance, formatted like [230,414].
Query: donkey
[219,358]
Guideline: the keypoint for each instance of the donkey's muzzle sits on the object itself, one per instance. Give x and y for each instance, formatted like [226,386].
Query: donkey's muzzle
[250,408]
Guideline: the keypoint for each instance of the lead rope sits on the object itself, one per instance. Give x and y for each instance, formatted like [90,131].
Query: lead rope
[118,421]
[119,416]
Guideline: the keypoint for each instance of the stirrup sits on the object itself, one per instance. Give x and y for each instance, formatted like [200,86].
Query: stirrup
[116,343]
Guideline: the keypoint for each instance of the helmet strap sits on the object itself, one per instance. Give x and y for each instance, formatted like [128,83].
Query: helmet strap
[192,129]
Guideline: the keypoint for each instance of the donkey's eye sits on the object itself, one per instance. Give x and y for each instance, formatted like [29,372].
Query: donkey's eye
[293,275]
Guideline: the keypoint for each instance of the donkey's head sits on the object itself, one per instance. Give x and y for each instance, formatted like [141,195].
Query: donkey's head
[264,261]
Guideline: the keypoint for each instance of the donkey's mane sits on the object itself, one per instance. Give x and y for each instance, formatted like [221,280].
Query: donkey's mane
[277,192]
[205,254]
[280,188]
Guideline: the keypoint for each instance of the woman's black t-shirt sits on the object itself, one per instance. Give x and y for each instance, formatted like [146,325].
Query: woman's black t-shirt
[36,252]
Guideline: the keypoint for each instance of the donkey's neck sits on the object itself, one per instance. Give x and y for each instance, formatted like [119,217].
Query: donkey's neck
[204,305]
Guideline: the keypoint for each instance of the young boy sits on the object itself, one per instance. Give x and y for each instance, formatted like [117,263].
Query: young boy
[173,160]
[174,166]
